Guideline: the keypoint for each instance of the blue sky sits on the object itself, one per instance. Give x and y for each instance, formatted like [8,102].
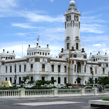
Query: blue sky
[21,21]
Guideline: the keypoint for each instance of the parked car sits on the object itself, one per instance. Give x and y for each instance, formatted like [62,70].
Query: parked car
[93,85]
[21,85]
[60,86]
[16,85]
[107,85]
[74,84]
[80,84]
[28,86]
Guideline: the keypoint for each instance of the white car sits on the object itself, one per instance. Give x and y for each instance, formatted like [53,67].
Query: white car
[28,86]
[60,86]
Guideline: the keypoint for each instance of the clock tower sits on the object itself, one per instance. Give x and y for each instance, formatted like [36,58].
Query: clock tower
[72,27]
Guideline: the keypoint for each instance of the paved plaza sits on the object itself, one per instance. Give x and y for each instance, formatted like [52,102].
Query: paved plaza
[48,102]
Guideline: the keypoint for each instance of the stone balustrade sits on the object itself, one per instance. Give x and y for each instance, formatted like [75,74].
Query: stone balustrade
[50,92]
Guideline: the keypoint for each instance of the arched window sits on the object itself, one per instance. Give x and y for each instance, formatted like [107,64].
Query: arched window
[59,80]
[19,80]
[77,46]
[96,80]
[43,78]
[52,79]
[78,67]
[10,79]
[6,78]
[65,80]
[67,45]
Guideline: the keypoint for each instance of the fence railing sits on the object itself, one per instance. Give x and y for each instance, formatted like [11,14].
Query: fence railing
[50,92]
[10,93]
[39,92]
[69,91]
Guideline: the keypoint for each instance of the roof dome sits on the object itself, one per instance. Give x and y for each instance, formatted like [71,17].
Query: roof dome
[72,3]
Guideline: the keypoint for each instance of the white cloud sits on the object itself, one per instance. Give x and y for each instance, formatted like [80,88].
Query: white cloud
[22,25]
[8,3]
[97,44]
[34,17]
[92,28]
[52,0]
[93,39]
[93,24]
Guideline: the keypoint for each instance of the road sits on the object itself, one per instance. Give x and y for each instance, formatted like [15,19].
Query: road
[80,102]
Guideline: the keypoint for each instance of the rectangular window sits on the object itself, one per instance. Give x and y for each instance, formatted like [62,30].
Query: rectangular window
[10,69]
[31,67]
[6,78]
[90,70]
[15,68]
[65,69]
[95,70]
[67,45]
[52,68]
[65,80]
[43,67]
[59,68]
[77,46]
[103,70]
[59,80]
[75,68]
[19,80]
[31,78]
[6,69]
[85,68]
[24,68]
[19,68]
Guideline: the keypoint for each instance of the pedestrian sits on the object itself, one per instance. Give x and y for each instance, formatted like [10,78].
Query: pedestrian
[99,87]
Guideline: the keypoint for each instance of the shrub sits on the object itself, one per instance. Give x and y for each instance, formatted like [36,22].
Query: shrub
[38,83]
[106,86]
[54,87]
[68,84]
[105,99]
[39,88]
[8,88]
[88,87]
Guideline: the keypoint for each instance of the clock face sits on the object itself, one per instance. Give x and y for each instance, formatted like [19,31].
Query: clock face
[76,18]
[68,18]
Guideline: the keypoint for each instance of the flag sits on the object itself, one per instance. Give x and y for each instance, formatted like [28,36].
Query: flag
[37,39]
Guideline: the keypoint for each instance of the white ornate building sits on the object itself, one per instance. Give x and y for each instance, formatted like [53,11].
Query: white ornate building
[39,65]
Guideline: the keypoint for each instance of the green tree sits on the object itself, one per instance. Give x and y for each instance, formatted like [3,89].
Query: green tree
[103,80]
[90,81]
[38,83]
[52,82]
[30,82]
[68,84]
[78,80]
[25,78]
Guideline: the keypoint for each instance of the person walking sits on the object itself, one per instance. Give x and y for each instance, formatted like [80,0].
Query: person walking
[99,87]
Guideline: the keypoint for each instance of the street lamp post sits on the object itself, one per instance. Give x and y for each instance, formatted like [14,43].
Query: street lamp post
[92,58]
[15,78]
[69,67]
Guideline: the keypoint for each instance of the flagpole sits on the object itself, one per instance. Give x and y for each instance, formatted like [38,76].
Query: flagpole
[38,38]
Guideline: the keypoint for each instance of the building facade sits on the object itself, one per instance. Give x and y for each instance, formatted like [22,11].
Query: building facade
[71,63]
